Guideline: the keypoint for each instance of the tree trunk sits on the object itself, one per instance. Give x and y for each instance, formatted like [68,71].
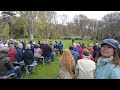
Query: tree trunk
[31,36]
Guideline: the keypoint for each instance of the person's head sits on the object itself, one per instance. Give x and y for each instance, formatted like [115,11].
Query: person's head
[50,42]
[34,43]
[80,43]
[11,46]
[43,42]
[67,60]
[70,47]
[31,41]
[38,41]
[6,45]
[85,52]
[90,45]
[27,46]
[36,46]
[110,47]
[56,42]
[20,45]
[74,44]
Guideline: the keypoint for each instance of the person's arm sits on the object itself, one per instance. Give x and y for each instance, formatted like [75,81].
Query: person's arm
[8,63]
[115,73]
[76,71]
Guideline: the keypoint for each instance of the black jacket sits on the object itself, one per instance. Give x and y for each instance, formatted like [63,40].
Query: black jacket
[28,57]
[46,50]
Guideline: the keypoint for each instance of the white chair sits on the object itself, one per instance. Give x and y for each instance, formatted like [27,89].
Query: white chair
[32,66]
[44,59]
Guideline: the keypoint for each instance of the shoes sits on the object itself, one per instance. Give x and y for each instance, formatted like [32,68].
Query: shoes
[21,77]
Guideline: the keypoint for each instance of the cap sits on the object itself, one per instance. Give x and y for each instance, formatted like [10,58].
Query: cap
[112,42]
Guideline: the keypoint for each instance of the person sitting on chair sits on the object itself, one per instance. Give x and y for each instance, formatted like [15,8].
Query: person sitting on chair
[6,66]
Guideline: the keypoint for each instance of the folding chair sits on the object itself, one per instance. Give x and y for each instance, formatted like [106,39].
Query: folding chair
[32,67]
[10,76]
[42,60]
[45,59]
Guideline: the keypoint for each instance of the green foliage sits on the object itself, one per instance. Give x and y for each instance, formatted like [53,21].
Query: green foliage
[18,28]
[6,30]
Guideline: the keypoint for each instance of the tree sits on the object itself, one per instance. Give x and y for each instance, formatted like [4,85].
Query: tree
[6,31]
[9,17]
[18,28]
[50,20]
[31,21]
[63,18]
[80,22]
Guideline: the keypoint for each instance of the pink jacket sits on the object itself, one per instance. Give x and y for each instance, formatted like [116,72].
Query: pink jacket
[37,52]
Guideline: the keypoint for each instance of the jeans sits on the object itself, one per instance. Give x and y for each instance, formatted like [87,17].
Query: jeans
[17,70]
[61,51]
[53,54]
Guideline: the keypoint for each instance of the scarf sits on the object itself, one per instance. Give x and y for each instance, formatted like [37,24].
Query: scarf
[103,60]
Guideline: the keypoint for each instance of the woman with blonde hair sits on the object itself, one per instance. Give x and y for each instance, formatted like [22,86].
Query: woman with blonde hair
[67,66]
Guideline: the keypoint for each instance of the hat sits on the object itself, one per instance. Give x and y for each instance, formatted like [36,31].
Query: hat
[112,42]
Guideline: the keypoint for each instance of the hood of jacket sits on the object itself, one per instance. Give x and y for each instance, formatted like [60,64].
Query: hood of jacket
[3,55]
[3,52]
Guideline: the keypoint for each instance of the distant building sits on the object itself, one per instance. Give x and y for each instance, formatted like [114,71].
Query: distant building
[76,37]
[70,37]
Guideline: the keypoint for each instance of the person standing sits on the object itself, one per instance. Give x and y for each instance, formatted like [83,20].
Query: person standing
[73,40]
[60,45]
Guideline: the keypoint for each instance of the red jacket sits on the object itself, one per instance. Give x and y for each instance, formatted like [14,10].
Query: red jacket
[12,54]
[80,50]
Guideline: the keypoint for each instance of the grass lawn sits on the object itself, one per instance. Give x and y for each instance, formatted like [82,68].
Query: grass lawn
[49,70]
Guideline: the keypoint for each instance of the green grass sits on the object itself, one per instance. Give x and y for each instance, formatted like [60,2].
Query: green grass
[49,70]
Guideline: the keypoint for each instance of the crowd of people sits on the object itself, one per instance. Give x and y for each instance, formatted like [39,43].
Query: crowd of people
[99,61]
[17,52]
[78,61]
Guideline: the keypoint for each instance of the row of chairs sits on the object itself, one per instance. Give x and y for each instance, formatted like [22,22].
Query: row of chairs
[28,68]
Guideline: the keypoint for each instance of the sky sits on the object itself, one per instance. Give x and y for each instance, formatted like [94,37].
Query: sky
[90,14]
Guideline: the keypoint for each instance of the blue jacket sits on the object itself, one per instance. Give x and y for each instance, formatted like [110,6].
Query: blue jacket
[75,48]
[107,70]
[75,55]
[19,54]
[60,45]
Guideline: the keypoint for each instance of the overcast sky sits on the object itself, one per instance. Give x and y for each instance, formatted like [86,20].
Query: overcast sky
[90,14]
